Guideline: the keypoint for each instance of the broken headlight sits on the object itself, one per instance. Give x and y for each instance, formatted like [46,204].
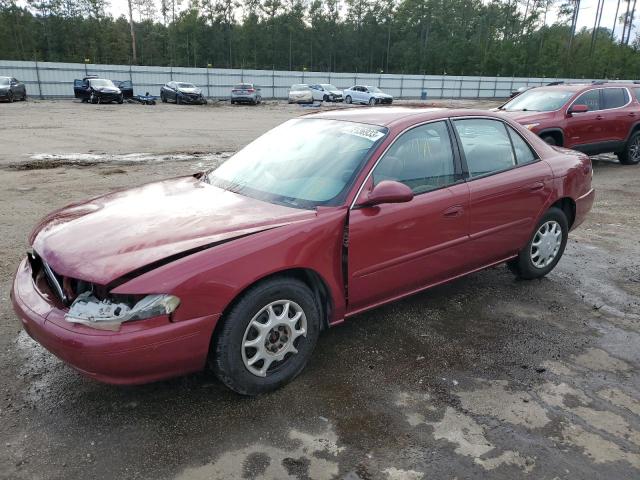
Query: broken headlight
[109,314]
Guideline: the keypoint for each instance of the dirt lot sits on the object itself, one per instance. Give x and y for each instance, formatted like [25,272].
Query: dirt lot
[486,377]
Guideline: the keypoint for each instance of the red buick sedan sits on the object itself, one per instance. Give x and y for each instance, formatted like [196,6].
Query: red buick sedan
[321,218]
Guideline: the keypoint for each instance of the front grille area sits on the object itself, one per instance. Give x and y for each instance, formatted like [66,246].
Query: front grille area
[64,289]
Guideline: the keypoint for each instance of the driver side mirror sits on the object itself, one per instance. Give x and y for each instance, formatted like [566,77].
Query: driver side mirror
[578,108]
[388,191]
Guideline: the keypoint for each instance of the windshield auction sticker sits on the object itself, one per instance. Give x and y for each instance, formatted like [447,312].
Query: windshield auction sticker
[370,134]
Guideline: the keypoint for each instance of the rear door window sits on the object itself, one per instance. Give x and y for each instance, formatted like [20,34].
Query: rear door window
[591,99]
[615,97]
[486,145]
[523,151]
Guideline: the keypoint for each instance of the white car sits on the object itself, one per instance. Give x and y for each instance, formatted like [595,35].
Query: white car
[300,93]
[366,94]
[326,92]
[246,93]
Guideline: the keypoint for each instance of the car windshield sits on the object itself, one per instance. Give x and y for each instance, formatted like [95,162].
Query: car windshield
[186,85]
[303,163]
[538,100]
[328,86]
[374,89]
[300,87]
[4,81]
[101,82]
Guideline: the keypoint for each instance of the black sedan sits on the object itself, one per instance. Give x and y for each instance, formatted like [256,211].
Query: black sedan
[182,92]
[97,90]
[11,89]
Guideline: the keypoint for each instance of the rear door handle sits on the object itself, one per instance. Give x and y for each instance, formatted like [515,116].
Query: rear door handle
[599,117]
[454,211]
[632,114]
[536,186]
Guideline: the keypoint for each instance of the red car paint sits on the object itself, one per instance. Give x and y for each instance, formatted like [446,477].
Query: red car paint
[205,245]
[595,131]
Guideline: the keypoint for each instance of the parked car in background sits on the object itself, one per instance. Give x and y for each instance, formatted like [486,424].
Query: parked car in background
[125,86]
[182,92]
[325,92]
[300,93]
[592,118]
[243,266]
[11,89]
[246,93]
[366,94]
[97,90]
[518,91]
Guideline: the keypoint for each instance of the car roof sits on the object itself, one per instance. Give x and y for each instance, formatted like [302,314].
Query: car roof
[577,87]
[388,116]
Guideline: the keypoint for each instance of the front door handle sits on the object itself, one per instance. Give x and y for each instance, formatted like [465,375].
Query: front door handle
[454,211]
[536,187]
[599,117]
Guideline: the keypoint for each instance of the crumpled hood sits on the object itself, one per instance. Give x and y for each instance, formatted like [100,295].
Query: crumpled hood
[190,90]
[382,95]
[107,237]
[108,90]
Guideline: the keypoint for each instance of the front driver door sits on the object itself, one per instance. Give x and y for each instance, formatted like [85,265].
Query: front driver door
[395,249]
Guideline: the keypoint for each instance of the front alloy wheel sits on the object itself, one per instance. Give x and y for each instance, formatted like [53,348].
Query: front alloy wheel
[271,336]
[267,337]
[372,101]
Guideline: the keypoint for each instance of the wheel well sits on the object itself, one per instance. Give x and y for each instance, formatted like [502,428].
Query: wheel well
[568,206]
[311,278]
[556,134]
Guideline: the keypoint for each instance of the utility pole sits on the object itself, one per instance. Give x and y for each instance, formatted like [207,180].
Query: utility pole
[596,26]
[134,56]
[574,21]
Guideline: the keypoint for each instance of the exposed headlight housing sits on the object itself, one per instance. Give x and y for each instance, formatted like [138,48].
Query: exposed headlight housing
[531,126]
[110,313]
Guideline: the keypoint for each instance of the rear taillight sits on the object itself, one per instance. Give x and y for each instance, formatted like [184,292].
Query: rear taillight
[250,90]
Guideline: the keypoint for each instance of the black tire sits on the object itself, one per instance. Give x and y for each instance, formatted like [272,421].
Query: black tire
[226,355]
[523,266]
[372,102]
[24,97]
[178,101]
[163,98]
[93,99]
[550,140]
[325,98]
[121,99]
[348,99]
[10,97]
[631,153]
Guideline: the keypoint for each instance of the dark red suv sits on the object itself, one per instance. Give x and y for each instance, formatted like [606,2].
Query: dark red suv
[593,118]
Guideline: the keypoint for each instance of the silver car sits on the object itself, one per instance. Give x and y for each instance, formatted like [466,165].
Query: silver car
[326,92]
[246,93]
[367,94]
[300,93]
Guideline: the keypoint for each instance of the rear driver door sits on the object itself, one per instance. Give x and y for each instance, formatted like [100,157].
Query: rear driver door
[509,187]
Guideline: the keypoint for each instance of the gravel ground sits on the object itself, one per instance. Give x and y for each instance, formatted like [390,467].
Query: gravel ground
[485,377]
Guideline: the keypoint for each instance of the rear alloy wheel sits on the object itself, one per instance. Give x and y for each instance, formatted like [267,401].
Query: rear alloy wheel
[631,153]
[545,248]
[10,97]
[347,99]
[267,338]
[372,101]
[325,98]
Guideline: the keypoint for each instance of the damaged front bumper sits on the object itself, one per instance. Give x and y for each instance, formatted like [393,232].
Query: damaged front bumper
[140,352]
